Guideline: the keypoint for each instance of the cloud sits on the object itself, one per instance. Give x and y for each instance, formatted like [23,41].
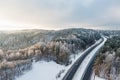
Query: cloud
[87,3]
[60,12]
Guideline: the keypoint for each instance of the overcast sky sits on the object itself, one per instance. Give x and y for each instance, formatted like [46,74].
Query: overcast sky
[59,14]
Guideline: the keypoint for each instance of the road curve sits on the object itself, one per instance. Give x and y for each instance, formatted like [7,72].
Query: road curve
[90,62]
[71,72]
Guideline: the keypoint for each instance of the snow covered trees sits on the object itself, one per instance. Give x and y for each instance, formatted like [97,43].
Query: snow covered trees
[108,61]
[51,45]
[1,54]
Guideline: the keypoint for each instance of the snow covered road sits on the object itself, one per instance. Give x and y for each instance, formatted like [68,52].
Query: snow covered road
[85,64]
[74,68]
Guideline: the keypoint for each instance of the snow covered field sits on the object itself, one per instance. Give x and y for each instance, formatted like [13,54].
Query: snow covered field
[42,71]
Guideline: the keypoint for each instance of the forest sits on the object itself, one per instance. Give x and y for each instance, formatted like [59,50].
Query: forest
[107,64]
[20,48]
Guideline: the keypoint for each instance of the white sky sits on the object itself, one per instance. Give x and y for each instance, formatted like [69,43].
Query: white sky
[59,14]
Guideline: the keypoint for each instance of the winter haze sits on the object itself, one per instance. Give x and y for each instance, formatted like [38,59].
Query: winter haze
[59,14]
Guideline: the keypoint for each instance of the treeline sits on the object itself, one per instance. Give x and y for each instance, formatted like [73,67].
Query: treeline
[109,33]
[50,45]
[24,38]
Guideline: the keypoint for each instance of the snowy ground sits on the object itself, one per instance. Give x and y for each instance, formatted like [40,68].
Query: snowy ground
[93,77]
[98,78]
[42,71]
[48,70]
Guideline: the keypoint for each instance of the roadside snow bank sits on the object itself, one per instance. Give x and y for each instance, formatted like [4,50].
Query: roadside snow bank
[94,77]
[98,78]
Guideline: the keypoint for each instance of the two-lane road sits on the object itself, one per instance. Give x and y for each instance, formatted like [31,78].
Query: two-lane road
[79,69]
